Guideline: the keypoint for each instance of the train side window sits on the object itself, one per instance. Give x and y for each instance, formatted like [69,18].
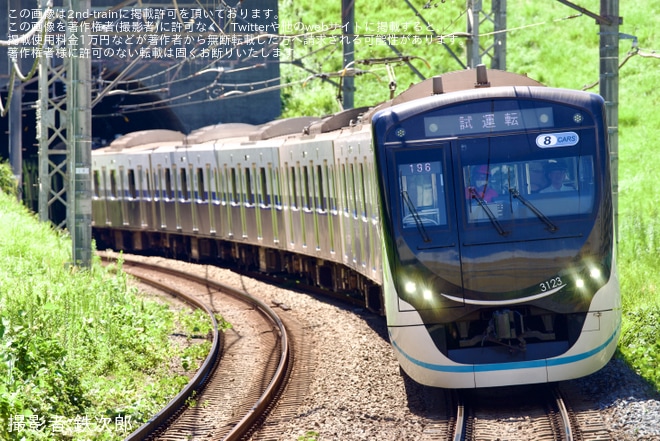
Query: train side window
[121,183]
[294,188]
[104,177]
[169,191]
[351,190]
[330,179]
[113,183]
[96,183]
[137,183]
[214,188]
[147,176]
[158,183]
[363,190]
[224,184]
[184,184]
[249,187]
[274,182]
[370,186]
[264,197]
[306,197]
[322,203]
[130,177]
[343,182]
[233,184]
[201,188]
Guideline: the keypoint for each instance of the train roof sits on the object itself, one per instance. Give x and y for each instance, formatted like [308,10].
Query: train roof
[220,131]
[345,118]
[461,80]
[283,127]
[145,139]
[464,80]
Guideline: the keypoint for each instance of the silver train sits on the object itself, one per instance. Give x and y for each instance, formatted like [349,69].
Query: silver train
[474,212]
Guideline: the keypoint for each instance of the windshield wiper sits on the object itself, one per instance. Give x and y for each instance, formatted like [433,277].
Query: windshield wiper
[516,194]
[415,215]
[488,211]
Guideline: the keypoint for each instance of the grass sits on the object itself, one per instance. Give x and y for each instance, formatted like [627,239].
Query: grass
[551,43]
[83,356]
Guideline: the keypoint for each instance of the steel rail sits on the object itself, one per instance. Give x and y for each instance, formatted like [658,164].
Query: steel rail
[261,406]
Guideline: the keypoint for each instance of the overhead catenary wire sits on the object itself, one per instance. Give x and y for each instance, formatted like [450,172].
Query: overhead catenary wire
[169,74]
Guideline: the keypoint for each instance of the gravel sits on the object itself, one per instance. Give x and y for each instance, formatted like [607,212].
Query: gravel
[358,392]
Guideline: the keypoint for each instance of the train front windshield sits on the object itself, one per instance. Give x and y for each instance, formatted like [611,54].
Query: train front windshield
[511,190]
[495,165]
[529,189]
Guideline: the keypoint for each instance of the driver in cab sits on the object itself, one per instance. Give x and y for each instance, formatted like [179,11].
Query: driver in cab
[479,188]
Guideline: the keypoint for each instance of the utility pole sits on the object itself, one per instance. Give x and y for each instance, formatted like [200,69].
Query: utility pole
[609,22]
[348,23]
[475,18]
[15,134]
[609,88]
[79,133]
[64,135]
[16,125]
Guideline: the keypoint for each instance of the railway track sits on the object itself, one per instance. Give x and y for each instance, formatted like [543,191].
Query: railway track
[245,372]
[538,412]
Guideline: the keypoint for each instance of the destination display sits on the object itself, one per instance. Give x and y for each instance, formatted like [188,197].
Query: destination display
[488,122]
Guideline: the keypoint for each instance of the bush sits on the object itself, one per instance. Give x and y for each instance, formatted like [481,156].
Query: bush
[8,183]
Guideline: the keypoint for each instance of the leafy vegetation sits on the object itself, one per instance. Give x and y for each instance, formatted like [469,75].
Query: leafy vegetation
[549,42]
[7,181]
[310,435]
[83,356]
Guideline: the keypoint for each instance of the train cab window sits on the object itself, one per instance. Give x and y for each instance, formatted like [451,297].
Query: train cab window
[529,189]
[423,199]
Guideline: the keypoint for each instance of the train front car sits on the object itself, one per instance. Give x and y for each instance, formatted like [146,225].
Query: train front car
[499,245]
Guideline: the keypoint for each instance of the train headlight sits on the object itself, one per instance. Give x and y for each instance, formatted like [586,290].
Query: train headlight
[593,276]
[410,287]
